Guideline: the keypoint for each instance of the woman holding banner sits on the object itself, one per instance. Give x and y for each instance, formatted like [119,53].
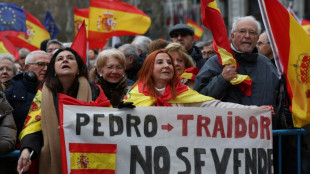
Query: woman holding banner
[67,80]
[159,85]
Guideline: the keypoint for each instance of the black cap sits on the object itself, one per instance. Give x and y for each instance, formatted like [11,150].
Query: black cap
[181,27]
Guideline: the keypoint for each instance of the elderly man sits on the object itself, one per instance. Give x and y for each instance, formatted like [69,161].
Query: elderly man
[25,86]
[206,48]
[184,35]
[141,43]
[214,79]
[52,45]
[264,48]
[133,61]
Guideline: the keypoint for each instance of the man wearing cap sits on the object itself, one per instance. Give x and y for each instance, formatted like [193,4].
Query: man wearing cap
[184,34]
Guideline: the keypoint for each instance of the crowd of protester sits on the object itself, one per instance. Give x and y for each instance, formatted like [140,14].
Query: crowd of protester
[141,73]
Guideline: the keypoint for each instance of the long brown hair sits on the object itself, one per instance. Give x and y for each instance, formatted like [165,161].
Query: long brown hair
[146,72]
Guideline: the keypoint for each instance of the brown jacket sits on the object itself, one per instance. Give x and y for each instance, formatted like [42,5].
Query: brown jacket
[7,126]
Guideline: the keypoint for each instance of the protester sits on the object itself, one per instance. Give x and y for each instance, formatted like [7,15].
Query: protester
[214,79]
[110,75]
[19,68]
[92,57]
[184,35]
[25,85]
[23,52]
[157,45]
[141,42]
[264,47]
[206,48]
[183,63]
[7,134]
[66,79]
[52,45]
[159,85]
[7,70]
[133,61]
[7,126]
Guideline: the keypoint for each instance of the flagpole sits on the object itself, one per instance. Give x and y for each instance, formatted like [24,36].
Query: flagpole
[270,36]
[87,56]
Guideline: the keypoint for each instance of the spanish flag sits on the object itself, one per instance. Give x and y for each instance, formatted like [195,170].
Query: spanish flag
[7,47]
[306,26]
[80,15]
[212,19]
[198,31]
[92,158]
[35,34]
[108,18]
[290,44]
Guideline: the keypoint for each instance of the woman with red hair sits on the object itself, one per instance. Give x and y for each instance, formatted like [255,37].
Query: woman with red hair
[159,85]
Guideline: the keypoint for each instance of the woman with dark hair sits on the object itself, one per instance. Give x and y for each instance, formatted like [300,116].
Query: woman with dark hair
[67,75]
[159,85]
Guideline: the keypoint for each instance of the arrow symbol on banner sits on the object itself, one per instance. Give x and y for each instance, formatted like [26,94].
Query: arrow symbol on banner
[167,127]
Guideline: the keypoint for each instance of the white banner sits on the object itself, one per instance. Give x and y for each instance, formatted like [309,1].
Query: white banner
[171,139]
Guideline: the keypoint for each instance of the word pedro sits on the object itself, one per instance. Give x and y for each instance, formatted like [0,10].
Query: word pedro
[235,127]
[243,160]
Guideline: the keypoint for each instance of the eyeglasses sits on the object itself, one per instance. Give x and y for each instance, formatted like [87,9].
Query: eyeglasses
[261,43]
[111,68]
[208,52]
[41,64]
[244,32]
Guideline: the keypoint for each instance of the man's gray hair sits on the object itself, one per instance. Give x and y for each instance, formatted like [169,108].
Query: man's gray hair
[251,18]
[130,50]
[142,42]
[30,56]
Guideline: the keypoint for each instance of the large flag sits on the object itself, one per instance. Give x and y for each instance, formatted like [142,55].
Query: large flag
[7,47]
[212,19]
[50,25]
[198,30]
[36,33]
[290,44]
[12,18]
[108,18]
[79,43]
[80,15]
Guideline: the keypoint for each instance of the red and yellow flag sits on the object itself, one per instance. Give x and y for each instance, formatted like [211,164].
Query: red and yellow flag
[291,45]
[212,19]
[92,158]
[7,47]
[35,34]
[198,31]
[79,43]
[109,18]
[306,25]
[80,15]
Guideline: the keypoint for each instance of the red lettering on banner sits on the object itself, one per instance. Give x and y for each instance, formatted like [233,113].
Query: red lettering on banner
[229,126]
[264,124]
[240,127]
[218,126]
[184,119]
[253,123]
[203,122]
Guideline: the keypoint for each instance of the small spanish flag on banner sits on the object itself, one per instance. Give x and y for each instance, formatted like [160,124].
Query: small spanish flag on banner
[35,34]
[212,19]
[7,47]
[92,158]
[198,30]
[291,46]
[115,18]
